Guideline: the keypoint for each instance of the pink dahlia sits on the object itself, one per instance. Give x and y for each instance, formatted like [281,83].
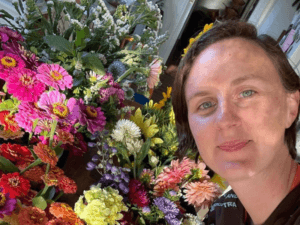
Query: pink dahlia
[155,71]
[172,176]
[138,194]
[55,103]
[202,194]
[55,76]
[92,117]
[28,112]
[9,61]
[23,84]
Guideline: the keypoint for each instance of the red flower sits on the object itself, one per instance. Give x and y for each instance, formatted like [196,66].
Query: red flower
[27,200]
[32,216]
[16,153]
[67,185]
[8,121]
[14,184]
[34,174]
[46,154]
[137,194]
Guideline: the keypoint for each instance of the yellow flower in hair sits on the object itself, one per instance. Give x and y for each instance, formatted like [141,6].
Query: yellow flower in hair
[192,40]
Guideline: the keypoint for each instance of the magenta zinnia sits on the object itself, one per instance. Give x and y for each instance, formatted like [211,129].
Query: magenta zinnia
[7,204]
[55,76]
[23,84]
[92,117]
[55,103]
[9,61]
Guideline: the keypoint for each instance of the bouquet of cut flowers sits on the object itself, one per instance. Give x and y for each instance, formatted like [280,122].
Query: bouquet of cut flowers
[83,37]
[137,160]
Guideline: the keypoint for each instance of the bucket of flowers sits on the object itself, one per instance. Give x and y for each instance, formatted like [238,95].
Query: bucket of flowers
[138,161]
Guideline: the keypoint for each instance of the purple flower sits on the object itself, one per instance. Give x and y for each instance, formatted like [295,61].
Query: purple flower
[91,144]
[95,158]
[173,193]
[146,209]
[166,206]
[108,166]
[7,204]
[172,219]
[124,187]
[90,166]
[114,150]
[105,146]
[114,169]
[92,117]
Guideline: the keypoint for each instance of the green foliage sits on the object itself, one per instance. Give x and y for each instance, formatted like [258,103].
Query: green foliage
[59,43]
[39,202]
[7,166]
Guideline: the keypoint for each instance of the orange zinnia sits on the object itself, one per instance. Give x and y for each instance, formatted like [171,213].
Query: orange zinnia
[46,154]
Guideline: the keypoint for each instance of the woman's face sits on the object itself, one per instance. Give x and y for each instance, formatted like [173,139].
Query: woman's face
[238,109]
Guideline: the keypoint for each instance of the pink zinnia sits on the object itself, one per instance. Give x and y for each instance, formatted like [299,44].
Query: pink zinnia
[138,194]
[13,35]
[9,61]
[55,76]
[26,115]
[23,84]
[55,103]
[105,94]
[92,117]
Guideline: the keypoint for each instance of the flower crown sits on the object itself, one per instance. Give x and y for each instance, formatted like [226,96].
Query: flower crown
[192,40]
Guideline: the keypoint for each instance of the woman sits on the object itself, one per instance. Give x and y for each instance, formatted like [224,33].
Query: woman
[236,99]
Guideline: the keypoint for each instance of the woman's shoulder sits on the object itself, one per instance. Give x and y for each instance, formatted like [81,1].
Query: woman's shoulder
[227,209]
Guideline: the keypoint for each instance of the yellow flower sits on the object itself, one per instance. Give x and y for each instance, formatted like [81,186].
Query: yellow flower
[172,117]
[192,40]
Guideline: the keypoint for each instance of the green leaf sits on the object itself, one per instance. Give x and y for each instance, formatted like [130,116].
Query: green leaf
[35,163]
[39,202]
[53,127]
[144,151]
[81,35]
[7,166]
[59,43]
[49,193]
[33,128]
[59,151]
[34,50]
[92,62]
[7,105]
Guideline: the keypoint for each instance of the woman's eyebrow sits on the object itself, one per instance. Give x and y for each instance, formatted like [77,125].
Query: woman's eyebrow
[247,77]
[197,94]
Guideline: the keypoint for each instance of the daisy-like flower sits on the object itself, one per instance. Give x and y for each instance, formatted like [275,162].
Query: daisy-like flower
[7,204]
[46,154]
[16,153]
[138,194]
[92,117]
[32,216]
[65,212]
[172,176]
[58,107]
[9,61]
[126,129]
[23,84]
[201,194]
[34,174]
[67,185]
[55,76]
[8,134]
[8,121]
[14,184]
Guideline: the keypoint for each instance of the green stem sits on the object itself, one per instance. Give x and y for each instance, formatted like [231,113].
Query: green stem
[48,168]
[35,163]
[58,196]
[44,190]
[134,169]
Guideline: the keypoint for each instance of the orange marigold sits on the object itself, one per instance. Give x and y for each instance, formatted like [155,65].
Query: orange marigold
[34,174]
[46,154]
[32,216]
[50,179]
[67,185]
[64,211]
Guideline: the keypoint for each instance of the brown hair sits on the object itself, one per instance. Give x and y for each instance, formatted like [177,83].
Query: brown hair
[222,31]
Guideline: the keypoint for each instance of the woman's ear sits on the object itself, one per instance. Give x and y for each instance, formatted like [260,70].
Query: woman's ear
[293,107]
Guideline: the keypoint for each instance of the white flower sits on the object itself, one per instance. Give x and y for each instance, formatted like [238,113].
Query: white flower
[50,3]
[153,161]
[134,146]
[126,129]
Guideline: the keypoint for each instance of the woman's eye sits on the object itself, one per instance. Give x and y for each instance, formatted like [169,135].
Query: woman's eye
[206,105]
[247,93]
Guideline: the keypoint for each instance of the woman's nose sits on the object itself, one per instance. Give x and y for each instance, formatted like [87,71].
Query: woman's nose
[227,115]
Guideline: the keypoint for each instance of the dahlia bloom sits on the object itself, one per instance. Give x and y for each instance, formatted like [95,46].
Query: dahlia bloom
[23,84]
[67,185]
[7,204]
[9,61]
[8,121]
[16,153]
[14,184]
[32,216]
[46,154]
[172,176]
[138,194]
[57,106]
[92,117]
[201,194]
[55,76]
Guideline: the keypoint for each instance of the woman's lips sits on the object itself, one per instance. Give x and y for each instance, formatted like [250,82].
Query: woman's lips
[233,146]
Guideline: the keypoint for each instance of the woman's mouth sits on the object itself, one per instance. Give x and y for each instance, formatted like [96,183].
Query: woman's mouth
[233,146]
